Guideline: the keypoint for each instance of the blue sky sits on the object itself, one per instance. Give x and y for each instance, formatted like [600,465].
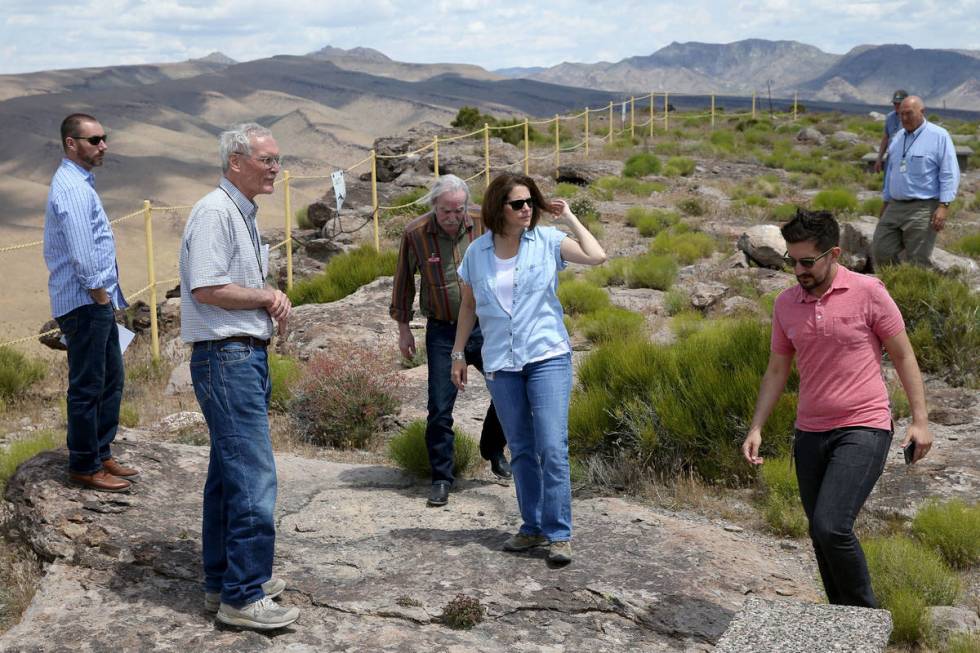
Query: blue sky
[47,34]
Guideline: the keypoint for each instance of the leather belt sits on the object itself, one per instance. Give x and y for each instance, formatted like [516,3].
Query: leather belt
[916,199]
[245,340]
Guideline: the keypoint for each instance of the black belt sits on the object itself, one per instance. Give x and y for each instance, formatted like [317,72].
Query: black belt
[245,340]
[916,199]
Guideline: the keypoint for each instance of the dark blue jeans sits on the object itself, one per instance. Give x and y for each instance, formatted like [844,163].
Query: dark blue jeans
[95,384]
[439,339]
[837,471]
[238,534]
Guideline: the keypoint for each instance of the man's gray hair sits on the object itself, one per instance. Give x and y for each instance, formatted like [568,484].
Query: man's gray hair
[446,184]
[237,140]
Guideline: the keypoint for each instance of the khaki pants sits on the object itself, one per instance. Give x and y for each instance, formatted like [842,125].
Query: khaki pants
[905,227]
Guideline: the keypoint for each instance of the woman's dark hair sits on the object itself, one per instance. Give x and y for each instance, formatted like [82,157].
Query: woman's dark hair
[496,196]
[816,226]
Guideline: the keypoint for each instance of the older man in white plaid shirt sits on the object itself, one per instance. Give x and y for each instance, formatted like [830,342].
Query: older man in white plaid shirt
[228,313]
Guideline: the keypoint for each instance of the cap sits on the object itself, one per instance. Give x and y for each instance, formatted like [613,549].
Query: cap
[899,95]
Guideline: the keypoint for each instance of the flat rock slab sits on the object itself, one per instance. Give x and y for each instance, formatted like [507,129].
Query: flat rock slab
[764,626]
[372,568]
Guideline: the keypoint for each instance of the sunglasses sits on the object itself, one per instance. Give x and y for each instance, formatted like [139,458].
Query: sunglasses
[93,140]
[807,262]
[517,205]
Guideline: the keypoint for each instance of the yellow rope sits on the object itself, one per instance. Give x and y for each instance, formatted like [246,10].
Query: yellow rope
[399,156]
[447,139]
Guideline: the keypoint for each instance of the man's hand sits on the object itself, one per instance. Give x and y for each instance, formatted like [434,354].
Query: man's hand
[99,296]
[459,375]
[938,220]
[878,165]
[750,448]
[278,305]
[922,438]
[406,343]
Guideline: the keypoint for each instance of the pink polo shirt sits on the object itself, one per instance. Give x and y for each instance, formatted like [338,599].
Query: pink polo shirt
[837,341]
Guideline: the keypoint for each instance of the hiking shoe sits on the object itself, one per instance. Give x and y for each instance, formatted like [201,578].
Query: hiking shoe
[264,614]
[524,541]
[500,467]
[439,494]
[272,588]
[560,553]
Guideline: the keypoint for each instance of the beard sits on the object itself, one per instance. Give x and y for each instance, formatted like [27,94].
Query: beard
[94,159]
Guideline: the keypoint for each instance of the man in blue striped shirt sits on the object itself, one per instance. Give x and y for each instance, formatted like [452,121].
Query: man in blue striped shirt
[920,183]
[80,253]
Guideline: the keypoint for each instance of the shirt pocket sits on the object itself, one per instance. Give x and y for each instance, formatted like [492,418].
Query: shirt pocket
[918,165]
[850,331]
[537,277]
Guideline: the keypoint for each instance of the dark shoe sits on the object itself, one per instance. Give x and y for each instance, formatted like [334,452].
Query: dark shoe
[100,480]
[439,495]
[113,467]
[500,467]
[524,541]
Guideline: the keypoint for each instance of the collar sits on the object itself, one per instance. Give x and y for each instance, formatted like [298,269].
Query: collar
[245,205]
[919,128]
[529,234]
[86,174]
[842,281]
[432,226]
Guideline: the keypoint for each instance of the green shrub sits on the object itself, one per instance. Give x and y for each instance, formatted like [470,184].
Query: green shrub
[409,452]
[686,323]
[782,212]
[723,140]
[684,406]
[962,643]
[755,200]
[691,206]
[611,323]
[343,398]
[679,166]
[605,187]
[19,451]
[611,273]
[344,274]
[641,165]
[899,402]
[129,415]
[838,200]
[952,529]
[910,617]
[872,206]
[651,271]
[650,222]
[685,247]
[567,190]
[781,506]
[18,373]
[419,358]
[968,245]
[302,217]
[578,297]
[676,301]
[462,613]
[284,372]
[408,203]
[941,316]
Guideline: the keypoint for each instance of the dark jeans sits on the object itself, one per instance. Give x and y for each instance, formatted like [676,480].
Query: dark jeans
[238,534]
[836,471]
[439,339]
[95,384]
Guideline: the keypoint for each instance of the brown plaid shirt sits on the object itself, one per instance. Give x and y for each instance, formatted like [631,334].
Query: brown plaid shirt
[428,250]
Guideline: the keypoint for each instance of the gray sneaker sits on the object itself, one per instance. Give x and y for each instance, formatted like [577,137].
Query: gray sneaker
[264,614]
[272,588]
[523,542]
[560,553]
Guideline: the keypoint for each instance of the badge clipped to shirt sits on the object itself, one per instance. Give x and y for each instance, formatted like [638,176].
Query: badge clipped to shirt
[903,167]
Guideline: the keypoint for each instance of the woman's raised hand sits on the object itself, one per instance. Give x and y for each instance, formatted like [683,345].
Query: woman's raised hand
[561,212]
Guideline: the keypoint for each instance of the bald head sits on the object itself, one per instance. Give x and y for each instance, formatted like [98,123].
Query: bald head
[912,113]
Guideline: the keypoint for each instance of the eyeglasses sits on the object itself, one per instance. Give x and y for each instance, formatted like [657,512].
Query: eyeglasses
[267,161]
[517,205]
[93,140]
[807,262]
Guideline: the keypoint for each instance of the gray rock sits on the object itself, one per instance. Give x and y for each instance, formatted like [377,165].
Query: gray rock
[764,245]
[705,294]
[180,380]
[847,137]
[877,116]
[585,172]
[947,263]
[811,135]
[320,213]
[855,243]
[738,305]
[322,249]
[183,420]
[949,620]
[764,626]
[640,300]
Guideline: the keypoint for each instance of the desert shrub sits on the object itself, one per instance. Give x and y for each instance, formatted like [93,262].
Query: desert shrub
[684,406]
[18,451]
[723,140]
[962,643]
[872,206]
[679,166]
[650,222]
[408,202]
[667,148]
[462,613]
[898,401]
[284,372]
[838,200]
[685,247]
[691,206]
[343,397]
[302,217]
[605,187]
[782,212]
[782,509]
[910,617]
[586,211]
[147,370]
[651,271]
[951,528]
[641,164]
[579,296]
[611,273]
[344,274]
[610,323]
[676,301]
[409,452]
[755,200]
[567,190]
[941,316]
[968,245]
[129,415]
[18,373]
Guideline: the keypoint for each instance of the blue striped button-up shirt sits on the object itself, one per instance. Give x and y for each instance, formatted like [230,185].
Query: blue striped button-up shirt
[78,245]
[922,165]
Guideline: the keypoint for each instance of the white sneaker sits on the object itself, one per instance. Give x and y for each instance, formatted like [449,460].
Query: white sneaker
[272,588]
[264,614]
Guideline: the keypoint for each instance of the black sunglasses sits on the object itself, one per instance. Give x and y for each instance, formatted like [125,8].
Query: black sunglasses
[93,140]
[517,205]
[807,262]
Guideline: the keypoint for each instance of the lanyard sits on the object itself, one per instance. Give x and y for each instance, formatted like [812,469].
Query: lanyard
[906,146]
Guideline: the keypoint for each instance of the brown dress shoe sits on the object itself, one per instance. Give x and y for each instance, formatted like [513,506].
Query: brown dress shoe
[110,465]
[100,480]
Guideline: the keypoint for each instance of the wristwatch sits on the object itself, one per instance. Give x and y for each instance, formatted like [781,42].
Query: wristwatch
[457,356]
[946,204]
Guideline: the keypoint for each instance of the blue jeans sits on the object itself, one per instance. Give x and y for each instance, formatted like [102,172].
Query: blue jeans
[439,339]
[533,407]
[238,533]
[837,470]
[95,384]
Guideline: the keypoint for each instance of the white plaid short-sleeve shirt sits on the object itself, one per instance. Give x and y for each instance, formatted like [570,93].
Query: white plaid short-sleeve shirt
[219,248]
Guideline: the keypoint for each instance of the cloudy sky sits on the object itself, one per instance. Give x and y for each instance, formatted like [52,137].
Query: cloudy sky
[48,34]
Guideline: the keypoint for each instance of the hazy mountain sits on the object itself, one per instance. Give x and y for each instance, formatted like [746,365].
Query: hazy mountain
[367,60]
[218,58]
[519,71]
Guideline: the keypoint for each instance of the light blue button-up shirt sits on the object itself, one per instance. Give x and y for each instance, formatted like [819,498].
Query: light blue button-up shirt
[929,170]
[534,326]
[78,245]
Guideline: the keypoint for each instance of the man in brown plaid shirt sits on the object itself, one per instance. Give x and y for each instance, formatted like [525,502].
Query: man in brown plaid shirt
[433,245]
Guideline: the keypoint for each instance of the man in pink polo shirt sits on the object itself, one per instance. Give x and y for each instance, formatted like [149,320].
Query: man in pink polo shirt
[836,323]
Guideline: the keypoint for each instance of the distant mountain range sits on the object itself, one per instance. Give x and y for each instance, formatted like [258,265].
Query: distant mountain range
[868,74]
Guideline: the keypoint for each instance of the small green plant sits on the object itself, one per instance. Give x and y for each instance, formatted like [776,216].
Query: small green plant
[408,203]
[691,206]
[578,297]
[344,274]
[611,273]
[650,222]
[782,212]
[409,452]
[641,165]
[968,245]
[21,450]
[147,370]
[679,166]
[18,373]
[419,358]
[781,506]
[676,301]
[910,617]
[284,372]
[567,190]
[611,323]
[963,643]
[651,271]
[604,188]
[952,529]
[872,206]
[838,200]
[302,217]
[462,613]
[899,402]
[129,415]
[408,602]
[584,208]
[686,247]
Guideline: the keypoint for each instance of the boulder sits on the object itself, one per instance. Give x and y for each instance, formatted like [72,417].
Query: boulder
[647,301]
[584,173]
[947,620]
[847,137]
[51,340]
[178,422]
[947,263]
[705,294]
[764,245]
[320,213]
[855,243]
[738,305]
[877,116]
[180,380]
[811,136]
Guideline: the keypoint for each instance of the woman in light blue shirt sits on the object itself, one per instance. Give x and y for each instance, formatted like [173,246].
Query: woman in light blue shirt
[510,276]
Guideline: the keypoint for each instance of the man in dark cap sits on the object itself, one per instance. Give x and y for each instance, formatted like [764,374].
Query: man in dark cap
[892,125]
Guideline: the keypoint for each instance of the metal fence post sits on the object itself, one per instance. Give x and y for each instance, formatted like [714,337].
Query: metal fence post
[652,97]
[151,273]
[632,118]
[753,105]
[794,106]
[610,122]
[486,154]
[374,198]
[527,148]
[435,155]
[557,147]
[289,230]
[586,132]
[712,111]
[666,119]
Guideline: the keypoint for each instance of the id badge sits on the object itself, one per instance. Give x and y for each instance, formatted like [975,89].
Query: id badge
[903,167]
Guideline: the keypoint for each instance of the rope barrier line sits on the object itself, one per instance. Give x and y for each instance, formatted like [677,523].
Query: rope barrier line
[126,217]
[186,207]
[11,248]
[402,206]
[541,122]
[449,139]
[479,174]
[399,156]
[504,127]
[278,245]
